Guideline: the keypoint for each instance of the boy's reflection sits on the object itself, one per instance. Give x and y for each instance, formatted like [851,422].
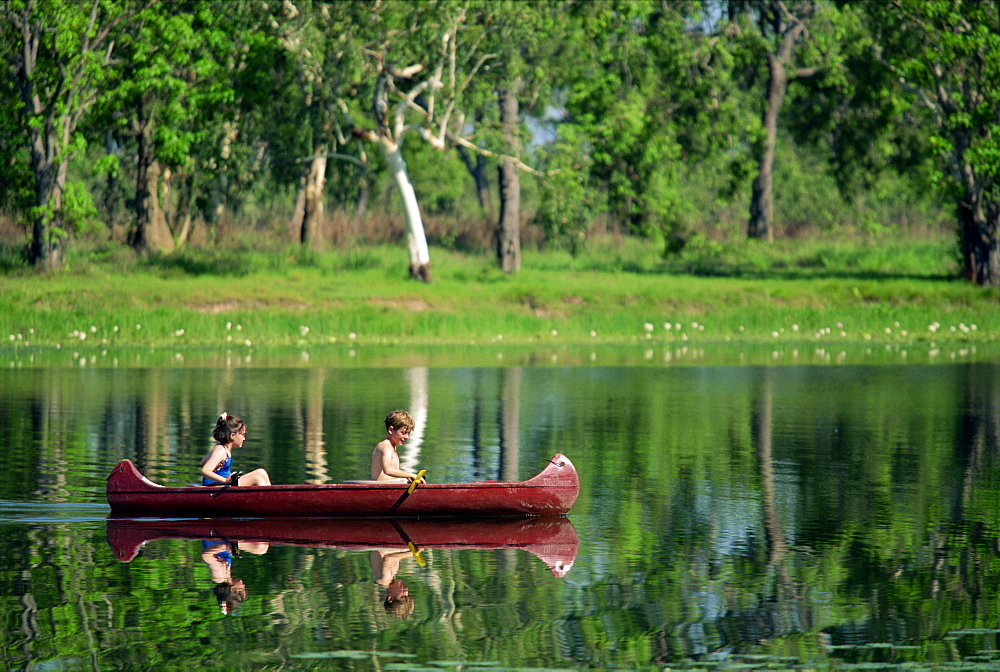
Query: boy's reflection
[218,555]
[385,565]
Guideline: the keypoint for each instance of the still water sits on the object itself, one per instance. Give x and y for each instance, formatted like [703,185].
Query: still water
[741,517]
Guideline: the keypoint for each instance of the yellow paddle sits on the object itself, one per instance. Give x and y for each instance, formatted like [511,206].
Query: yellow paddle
[413,485]
[416,553]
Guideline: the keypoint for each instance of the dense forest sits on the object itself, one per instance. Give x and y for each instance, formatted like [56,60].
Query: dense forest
[145,122]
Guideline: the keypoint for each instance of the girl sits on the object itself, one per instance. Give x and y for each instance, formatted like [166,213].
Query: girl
[216,467]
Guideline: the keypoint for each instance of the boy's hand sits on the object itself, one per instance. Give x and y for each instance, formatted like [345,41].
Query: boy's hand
[415,480]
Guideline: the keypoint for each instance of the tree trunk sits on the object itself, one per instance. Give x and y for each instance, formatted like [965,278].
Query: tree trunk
[760,225]
[50,185]
[55,96]
[478,172]
[509,225]
[299,209]
[185,210]
[45,140]
[364,191]
[50,182]
[43,143]
[312,211]
[416,240]
[979,225]
[788,29]
[151,232]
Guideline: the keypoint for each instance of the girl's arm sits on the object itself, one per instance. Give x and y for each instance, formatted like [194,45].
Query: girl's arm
[214,459]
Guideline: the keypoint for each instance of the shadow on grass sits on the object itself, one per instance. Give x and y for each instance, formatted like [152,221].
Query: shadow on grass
[812,274]
[779,272]
[202,263]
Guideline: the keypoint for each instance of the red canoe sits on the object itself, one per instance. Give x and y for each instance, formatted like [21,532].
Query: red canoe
[551,492]
[553,539]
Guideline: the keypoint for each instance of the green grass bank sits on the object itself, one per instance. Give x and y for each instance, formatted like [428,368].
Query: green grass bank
[796,301]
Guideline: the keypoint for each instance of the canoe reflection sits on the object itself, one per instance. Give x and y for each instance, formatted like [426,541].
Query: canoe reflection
[552,539]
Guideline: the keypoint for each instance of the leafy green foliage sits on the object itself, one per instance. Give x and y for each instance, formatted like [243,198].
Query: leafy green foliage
[643,108]
[945,56]
[638,115]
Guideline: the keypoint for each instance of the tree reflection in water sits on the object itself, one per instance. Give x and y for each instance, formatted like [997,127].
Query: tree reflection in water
[727,515]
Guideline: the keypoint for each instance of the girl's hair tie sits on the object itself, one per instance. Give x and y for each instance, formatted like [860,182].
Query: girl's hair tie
[224,416]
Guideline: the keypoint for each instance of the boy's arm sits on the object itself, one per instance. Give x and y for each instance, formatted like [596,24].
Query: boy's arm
[389,463]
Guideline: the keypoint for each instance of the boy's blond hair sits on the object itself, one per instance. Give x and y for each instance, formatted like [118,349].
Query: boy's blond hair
[399,420]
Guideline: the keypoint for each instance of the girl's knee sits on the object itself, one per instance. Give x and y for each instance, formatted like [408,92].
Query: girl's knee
[260,477]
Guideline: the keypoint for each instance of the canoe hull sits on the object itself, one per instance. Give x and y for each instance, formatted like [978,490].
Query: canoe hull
[552,492]
[552,539]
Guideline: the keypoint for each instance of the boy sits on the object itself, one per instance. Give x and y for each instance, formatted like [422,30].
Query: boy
[385,461]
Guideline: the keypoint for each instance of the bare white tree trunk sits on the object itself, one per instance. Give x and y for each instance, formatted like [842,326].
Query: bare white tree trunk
[416,240]
[311,233]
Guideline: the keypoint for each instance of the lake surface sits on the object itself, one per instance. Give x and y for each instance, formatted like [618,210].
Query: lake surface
[730,517]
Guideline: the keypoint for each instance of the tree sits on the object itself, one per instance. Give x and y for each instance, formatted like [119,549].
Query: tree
[433,82]
[509,225]
[150,104]
[58,54]
[16,185]
[945,55]
[404,66]
[523,35]
[643,103]
[319,66]
[775,30]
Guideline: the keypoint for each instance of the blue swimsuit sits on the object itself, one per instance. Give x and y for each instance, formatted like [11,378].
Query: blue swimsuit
[223,556]
[224,471]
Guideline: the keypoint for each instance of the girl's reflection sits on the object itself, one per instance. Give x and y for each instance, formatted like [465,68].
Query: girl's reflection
[218,555]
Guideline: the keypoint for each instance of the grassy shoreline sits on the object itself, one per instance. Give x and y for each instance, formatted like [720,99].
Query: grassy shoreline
[355,300]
